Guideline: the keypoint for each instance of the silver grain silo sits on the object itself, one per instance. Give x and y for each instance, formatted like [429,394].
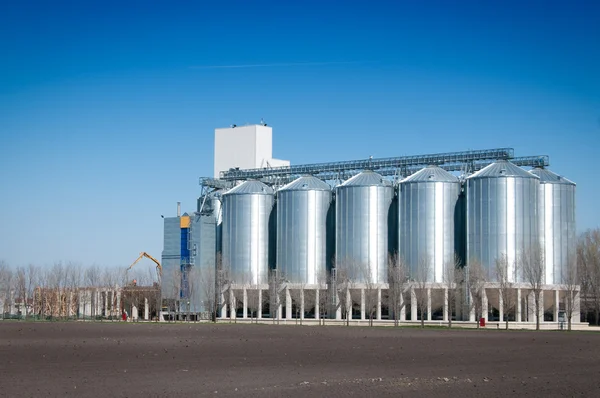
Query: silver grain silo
[302,230]
[556,217]
[426,208]
[245,232]
[501,216]
[361,245]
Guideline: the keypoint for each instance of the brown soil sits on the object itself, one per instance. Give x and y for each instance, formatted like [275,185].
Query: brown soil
[191,360]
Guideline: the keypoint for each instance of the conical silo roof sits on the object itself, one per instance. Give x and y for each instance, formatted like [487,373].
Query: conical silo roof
[307,183]
[431,174]
[249,188]
[502,168]
[366,178]
[548,177]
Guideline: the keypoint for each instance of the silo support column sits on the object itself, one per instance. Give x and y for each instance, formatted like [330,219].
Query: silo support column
[362,304]
[338,306]
[105,303]
[403,310]
[576,315]
[302,303]
[484,304]
[280,311]
[556,304]
[288,303]
[259,309]
[245,303]
[542,306]
[530,307]
[349,305]
[446,305]
[429,304]
[413,305]
[500,306]
[317,308]
[223,306]
[68,305]
[378,303]
[232,306]
[471,309]
[118,312]
[518,317]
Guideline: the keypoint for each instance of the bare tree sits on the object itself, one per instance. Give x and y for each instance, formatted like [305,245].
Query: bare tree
[584,281]
[56,279]
[93,277]
[6,288]
[207,286]
[343,284]
[299,296]
[588,258]
[192,274]
[222,279]
[276,284]
[73,283]
[370,289]
[21,289]
[454,278]
[31,278]
[398,281]
[505,285]
[42,296]
[534,267]
[421,279]
[475,281]
[309,300]
[175,290]
[255,300]
[111,279]
[570,281]
[254,297]
[324,296]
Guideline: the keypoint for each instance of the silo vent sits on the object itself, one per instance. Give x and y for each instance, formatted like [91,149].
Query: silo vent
[502,171]
[431,176]
[305,185]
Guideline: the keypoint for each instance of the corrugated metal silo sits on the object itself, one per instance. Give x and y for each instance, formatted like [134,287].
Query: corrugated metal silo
[302,230]
[245,232]
[556,217]
[427,204]
[502,201]
[362,209]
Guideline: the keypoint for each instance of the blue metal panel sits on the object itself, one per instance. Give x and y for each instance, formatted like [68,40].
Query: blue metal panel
[185,251]
[171,256]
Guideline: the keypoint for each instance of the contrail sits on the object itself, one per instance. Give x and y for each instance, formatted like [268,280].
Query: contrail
[275,65]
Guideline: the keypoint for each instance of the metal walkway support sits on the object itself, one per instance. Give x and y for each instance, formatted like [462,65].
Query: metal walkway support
[395,163]
[403,166]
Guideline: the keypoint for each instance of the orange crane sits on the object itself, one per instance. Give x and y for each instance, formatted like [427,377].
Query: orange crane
[158,266]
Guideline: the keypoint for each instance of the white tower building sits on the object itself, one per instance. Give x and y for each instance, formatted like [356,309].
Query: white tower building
[246,147]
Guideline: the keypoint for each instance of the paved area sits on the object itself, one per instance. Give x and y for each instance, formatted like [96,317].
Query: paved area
[197,360]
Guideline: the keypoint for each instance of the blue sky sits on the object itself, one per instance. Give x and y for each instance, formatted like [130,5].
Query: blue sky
[108,110]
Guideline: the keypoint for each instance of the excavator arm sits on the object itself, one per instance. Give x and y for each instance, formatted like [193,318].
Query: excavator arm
[144,254]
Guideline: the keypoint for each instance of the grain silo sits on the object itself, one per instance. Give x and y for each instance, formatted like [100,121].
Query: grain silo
[245,232]
[502,202]
[556,217]
[361,245]
[426,211]
[303,231]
